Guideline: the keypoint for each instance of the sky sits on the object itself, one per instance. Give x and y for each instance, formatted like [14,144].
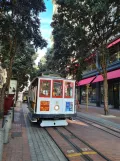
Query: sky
[45,19]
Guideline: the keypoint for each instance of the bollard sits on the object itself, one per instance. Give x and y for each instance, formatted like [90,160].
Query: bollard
[11,112]
[8,118]
[1,143]
[9,121]
[12,108]
[6,130]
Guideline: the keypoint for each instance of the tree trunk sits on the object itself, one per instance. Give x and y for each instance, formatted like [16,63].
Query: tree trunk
[6,86]
[104,53]
[2,96]
[11,53]
[105,90]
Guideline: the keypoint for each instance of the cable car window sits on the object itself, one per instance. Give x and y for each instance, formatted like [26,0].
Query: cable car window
[57,89]
[69,89]
[45,88]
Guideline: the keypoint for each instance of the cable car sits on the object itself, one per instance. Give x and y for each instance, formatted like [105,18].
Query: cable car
[51,100]
[25,96]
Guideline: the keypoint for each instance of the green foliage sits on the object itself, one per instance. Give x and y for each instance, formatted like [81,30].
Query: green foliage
[23,65]
[47,65]
[19,21]
[19,25]
[50,62]
[34,73]
[83,27]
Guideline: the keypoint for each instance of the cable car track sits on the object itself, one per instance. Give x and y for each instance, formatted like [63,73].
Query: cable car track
[79,151]
[109,129]
[85,157]
[102,155]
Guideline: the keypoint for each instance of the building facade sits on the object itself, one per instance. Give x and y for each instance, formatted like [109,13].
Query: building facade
[55,7]
[3,76]
[92,77]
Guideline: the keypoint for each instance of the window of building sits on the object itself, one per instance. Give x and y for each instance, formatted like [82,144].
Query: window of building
[102,94]
[57,89]
[110,94]
[69,89]
[90,65]
[83,95]
[115,57]
[45,88]
[114,53]
[91,95]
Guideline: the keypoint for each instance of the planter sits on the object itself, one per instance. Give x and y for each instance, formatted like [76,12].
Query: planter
[8,102]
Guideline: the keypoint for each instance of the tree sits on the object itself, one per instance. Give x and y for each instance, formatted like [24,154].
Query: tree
[67,38]
[61,32]
[94,23]
[50,62]
[47,65]
[23,66]
[19,24]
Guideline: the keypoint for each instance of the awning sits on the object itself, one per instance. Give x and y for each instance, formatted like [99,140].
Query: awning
[113,43]
[86,81]
[110,75]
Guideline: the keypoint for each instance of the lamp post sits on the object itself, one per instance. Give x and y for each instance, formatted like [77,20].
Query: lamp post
[87,89]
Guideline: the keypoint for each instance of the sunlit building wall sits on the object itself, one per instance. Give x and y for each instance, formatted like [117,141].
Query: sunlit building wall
[55,6]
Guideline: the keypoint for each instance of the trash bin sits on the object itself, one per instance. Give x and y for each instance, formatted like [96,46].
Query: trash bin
[12,97]
[8,102]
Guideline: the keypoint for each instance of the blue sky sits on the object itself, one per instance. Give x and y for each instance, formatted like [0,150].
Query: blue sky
[46,18]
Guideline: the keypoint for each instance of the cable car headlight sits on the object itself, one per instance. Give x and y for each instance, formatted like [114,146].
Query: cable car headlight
[56,107]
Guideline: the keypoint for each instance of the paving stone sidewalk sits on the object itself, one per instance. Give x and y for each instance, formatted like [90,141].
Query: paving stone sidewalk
[21,142]
[28,142]
[18,148]
[98,113]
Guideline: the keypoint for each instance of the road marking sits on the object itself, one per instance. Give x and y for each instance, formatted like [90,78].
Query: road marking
[85,149]
[82,153]
[70,151]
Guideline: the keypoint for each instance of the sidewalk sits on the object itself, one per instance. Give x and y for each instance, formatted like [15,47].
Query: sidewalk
[28,142]
[18,148]
[114,114]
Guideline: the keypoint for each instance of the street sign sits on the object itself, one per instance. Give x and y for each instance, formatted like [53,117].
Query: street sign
[13,86]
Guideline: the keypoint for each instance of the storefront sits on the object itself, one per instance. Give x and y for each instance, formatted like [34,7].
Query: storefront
[91,94]
[95,90]
[114,93]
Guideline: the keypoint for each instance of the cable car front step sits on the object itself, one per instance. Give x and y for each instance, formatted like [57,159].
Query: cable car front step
[46,123]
